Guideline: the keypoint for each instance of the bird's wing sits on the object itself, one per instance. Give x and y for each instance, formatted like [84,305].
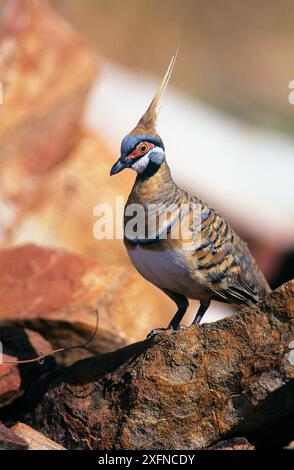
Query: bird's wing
[241,289]
[223,262]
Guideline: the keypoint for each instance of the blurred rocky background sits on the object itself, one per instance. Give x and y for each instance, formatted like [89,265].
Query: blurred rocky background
[75,77]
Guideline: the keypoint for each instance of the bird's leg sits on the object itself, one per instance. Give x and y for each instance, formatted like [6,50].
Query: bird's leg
[201,311]
[182,304]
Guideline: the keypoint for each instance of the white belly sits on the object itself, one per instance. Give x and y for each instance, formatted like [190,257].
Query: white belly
[165,269]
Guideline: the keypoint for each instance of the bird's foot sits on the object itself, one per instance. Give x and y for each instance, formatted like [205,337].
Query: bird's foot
[180,328]
[156,331]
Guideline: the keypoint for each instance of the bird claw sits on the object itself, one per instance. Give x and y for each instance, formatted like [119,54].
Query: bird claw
[156,331]
[180,328]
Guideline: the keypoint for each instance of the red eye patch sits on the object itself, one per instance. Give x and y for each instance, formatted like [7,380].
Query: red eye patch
[141,149]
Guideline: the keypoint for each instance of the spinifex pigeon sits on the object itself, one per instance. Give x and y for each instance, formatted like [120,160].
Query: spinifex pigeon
[191,252]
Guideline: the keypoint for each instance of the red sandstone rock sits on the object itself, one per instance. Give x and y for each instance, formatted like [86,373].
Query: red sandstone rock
[57,293]
[34,439]
[10,441]
[10,381]
[236,443]
[41,107]
[180,391]
[20,344]
[35,45]
[290,446]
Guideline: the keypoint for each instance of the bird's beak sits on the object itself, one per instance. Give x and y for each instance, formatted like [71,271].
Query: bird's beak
[117,167]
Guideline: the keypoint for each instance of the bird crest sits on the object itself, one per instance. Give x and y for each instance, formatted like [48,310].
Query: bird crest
[147,123]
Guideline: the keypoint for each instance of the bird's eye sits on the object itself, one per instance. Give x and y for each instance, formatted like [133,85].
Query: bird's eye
[143,148]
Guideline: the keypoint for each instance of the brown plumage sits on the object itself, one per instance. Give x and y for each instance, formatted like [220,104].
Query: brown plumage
[212,262]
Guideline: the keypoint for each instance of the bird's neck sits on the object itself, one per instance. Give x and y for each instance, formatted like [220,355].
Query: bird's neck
[153,185]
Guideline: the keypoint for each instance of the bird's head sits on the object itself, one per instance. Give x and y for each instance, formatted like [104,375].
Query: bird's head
[142,149]
[139,152]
